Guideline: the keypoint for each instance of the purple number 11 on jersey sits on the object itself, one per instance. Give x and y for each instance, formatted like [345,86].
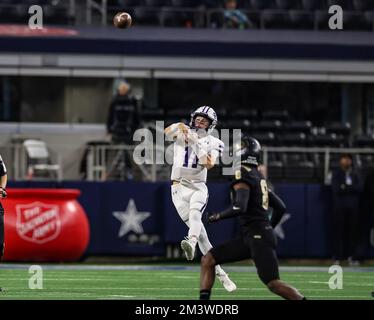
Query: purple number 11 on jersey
[188,153]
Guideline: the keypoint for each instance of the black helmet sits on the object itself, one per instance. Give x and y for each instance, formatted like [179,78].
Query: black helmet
[249,151]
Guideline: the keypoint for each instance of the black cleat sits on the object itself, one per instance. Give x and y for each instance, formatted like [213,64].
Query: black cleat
[372,294]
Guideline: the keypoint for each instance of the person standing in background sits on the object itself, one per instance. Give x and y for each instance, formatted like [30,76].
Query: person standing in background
[346,187]
[123,119]
[233,17]
[123,116]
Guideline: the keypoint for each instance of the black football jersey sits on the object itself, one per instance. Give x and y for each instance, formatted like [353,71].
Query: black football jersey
[258,203]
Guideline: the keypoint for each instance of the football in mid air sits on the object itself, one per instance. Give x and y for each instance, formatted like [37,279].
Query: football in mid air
[122,20]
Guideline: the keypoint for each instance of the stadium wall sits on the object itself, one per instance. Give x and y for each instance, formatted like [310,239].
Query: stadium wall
[139,219]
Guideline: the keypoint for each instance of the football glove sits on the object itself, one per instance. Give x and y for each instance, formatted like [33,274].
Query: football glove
[212,217]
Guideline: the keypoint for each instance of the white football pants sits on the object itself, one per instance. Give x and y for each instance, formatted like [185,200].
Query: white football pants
[190,203]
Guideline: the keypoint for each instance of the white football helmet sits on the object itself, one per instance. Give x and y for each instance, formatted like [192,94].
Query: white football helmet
[206,112]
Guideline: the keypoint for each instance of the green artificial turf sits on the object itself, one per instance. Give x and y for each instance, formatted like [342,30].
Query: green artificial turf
[168,284]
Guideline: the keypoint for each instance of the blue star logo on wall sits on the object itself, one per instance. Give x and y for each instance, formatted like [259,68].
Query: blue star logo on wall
[131,219]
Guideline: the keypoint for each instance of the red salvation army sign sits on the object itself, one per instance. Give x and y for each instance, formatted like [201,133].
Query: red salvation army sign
[38,222]
[44,225]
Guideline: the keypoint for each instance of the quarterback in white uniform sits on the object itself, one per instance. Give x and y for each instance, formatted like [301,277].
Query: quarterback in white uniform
[195,151]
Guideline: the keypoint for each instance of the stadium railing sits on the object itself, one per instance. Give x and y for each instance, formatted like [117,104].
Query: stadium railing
[103,161]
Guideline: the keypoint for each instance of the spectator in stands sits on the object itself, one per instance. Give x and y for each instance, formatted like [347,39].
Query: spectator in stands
[233,17]
[123,119]
[346,186]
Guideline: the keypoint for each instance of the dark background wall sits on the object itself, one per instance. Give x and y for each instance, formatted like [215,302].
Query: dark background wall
[306,233]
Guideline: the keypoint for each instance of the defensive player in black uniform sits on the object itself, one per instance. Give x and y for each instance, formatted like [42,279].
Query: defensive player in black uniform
[251,200]
[3,194]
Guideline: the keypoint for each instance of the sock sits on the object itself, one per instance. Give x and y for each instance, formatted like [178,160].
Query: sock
[204,294]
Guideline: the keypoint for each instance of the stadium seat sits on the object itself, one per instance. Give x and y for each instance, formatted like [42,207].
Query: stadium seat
[293,139]
[156,3]
[14,13]
[255,19]
[130,3]
[274,164]
[340,128]
[322,20]
[215,19]
[237,124]
[301,19]
[250,114]
[345,4]
[297,168]
[366,163]
[364,141]
[369,17]
[146,16]
[298,126]
[222,113]
[210,4]
[276,19]
[327,140]
[265,139]
[313,4]
[281,115]
[298,165]
[363,5]
[356,21]
[261,4]
[170,18]
[269,126]
[56,15]
[40,2]
[184,3]
[16,2]
[287,4]
[39,161]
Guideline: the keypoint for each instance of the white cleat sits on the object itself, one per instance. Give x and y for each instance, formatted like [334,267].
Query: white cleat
[227,283]
[189,248]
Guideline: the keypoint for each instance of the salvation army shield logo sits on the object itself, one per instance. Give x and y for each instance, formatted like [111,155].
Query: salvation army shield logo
[38,222]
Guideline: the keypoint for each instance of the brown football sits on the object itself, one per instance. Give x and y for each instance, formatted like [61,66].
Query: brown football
[122,20]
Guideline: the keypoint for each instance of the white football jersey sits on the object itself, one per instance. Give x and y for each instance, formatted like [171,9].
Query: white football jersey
[186,164]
